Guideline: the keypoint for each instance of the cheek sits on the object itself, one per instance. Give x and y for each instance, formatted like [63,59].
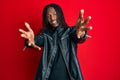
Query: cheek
[56,17]
[48,20]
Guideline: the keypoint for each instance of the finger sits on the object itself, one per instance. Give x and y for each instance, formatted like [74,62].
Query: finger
[86,28]
[22,31]
[24,36]
[33,45]
[88,36]
[28,26]
[80,18]
[87,20]
[37,47]
[78,23]
[81,15]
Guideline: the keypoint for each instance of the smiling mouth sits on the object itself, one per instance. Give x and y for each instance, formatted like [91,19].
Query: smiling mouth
[53,22]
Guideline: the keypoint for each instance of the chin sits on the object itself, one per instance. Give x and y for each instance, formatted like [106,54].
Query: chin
[54,25]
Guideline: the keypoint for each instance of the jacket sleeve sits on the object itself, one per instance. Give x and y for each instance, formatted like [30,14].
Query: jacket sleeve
[38,41]
[74,38]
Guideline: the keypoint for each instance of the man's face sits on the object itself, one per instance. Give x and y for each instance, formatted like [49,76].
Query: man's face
[52,17]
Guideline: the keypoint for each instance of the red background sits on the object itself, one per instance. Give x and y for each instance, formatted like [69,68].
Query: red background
[99,56]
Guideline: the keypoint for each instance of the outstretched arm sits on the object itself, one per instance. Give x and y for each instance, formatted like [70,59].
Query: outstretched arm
[29,35]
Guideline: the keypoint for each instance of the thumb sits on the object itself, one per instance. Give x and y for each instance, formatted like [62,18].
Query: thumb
[37,47]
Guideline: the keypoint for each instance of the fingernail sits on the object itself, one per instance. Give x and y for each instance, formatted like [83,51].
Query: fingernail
[19,29]
[82,10]
[22,35]
[91,27]
[26,24]
[29,44]
[39,48]
[89,17]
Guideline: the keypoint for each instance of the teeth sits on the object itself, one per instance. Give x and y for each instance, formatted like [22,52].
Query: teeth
[53,22]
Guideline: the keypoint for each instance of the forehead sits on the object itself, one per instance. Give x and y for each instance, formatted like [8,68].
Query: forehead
[51,10]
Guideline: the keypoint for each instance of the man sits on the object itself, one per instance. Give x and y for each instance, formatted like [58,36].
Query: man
[59,61]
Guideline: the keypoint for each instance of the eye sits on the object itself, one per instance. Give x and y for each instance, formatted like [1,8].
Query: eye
[48,16]
[55,14]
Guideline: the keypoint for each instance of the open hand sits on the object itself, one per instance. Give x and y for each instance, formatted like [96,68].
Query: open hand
[29,35]
[81,23]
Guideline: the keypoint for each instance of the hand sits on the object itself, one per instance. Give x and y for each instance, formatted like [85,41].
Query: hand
[29,35]
[81,23]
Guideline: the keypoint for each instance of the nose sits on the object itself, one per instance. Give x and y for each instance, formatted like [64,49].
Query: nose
[52,17]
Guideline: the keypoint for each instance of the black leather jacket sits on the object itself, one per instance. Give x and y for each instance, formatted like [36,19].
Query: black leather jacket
[67,41]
